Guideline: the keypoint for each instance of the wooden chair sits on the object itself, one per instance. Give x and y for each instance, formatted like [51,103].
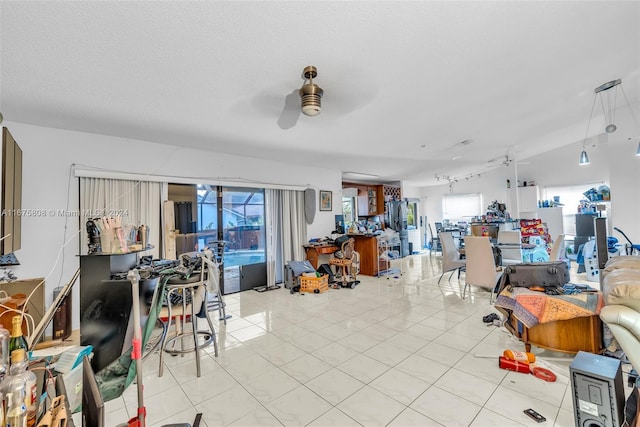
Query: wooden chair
[343,260]
[481,269]
[451,261]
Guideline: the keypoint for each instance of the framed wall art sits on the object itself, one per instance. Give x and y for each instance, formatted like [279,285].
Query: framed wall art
[325,200]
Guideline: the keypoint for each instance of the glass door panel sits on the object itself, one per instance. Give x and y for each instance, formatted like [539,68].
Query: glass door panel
[207,214]
[236,216]
[243,230]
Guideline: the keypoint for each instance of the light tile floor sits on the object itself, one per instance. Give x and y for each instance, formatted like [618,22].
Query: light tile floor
[396,350]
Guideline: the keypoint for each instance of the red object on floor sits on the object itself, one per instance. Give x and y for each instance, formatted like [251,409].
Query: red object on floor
[544,374]
[135,422]
[513,365]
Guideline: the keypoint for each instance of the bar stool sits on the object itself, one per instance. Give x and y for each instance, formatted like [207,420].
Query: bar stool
[213,269]
[186,298]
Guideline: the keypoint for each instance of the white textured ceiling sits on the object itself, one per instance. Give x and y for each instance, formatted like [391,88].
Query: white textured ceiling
[404,82]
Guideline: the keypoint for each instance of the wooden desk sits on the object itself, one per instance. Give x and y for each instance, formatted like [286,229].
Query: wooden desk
[314,252]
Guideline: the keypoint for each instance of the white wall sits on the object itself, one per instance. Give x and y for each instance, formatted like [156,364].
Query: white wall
[48,184]
[625,188]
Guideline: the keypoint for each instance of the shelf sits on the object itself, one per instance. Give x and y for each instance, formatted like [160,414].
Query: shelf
[120,253]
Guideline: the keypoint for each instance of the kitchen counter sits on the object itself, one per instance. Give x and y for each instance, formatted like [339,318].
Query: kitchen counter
[367,246]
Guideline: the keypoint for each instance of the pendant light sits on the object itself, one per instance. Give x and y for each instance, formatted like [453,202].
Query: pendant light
[611,98]
[608,100]
[584,157]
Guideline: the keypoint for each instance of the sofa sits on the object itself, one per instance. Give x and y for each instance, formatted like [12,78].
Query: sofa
[621,313]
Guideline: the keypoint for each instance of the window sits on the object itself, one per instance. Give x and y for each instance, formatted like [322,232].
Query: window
[456,207]
[412,215]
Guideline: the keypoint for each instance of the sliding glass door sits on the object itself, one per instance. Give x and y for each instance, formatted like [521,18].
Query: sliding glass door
[235,216]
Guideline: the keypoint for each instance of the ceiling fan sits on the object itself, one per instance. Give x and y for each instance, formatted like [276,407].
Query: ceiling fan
[505,160]
[334,99]
[307,99]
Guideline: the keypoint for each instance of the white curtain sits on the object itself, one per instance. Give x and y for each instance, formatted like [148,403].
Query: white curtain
[138,202]
[286,230]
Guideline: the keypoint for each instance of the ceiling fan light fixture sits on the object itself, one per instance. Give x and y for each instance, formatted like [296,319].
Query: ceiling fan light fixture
[311,93]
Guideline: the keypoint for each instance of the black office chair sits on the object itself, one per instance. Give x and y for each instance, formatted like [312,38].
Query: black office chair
[436,245]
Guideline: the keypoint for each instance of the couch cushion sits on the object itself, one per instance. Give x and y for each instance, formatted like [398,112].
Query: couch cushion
[619,262]
[622,286]
[625,261]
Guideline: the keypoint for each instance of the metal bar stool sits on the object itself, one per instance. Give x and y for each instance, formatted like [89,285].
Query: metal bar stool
[186,297]
[214,271]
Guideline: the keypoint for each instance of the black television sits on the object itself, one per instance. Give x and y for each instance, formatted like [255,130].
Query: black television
[92,403]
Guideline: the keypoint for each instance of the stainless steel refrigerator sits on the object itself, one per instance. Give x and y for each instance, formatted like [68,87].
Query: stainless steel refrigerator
[397,220]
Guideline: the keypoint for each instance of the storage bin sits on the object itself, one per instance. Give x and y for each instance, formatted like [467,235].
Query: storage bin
[310,284]
[293,269]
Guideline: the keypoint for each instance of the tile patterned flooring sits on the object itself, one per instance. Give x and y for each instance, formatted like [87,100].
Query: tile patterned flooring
[395,351]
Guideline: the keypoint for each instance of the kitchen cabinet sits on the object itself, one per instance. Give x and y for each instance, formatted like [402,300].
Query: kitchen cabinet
[528,199]
[370,200]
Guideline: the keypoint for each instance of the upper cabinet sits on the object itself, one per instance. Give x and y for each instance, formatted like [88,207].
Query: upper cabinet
[372,197]
[370,200]
[528,199]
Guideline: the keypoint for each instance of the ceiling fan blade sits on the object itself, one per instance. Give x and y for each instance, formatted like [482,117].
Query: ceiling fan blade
[291,111]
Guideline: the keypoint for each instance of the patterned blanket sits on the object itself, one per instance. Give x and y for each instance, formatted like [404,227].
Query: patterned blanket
[532,307]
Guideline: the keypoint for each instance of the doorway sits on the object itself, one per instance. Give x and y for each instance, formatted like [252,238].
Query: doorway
[235,216]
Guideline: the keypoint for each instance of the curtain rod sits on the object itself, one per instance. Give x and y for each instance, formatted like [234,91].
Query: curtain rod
[237,182]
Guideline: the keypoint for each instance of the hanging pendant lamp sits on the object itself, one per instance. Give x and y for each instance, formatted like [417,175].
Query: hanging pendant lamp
[584,158]
[608,100]
[611,98]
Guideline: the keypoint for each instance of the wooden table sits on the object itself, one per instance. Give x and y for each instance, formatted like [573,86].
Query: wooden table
[565,336]
[315,251]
